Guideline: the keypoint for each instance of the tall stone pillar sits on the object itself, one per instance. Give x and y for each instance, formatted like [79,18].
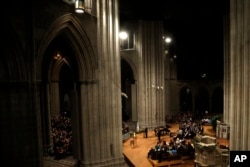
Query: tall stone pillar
[226,28]
[239,75]
[151,84]
[54,102]
[101,98]
[168,83]
[20,133]
[134,102]
[170,77]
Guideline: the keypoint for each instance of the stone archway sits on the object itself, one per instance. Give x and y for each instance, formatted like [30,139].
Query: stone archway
[59,79]
[66,63]
[127,83]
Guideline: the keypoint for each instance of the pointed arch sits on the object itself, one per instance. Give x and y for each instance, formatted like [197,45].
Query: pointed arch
[77,59]
[129,78]
[127,84]
[124,57]
[85,58]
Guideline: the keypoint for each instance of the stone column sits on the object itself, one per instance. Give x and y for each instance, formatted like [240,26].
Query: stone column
[93,139]
[238,75]
[90,7]
[170,77]
[226,27]
[101,112]
[20,130]
[54,102]
[134,101]
[151,86]
[167,81]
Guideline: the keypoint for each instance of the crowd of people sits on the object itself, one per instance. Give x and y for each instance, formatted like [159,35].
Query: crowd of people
[189,126]
[180,143]
[61,131]
[173,150]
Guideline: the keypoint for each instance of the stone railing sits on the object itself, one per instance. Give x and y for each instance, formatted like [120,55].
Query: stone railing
[208,153]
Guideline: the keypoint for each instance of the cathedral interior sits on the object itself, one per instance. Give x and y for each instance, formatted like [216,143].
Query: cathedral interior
[82,75]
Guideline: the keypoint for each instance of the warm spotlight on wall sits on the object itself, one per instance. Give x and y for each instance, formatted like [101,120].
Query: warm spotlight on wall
[123,35]
[57,55]
[157,87]
[79,6]
[168,39]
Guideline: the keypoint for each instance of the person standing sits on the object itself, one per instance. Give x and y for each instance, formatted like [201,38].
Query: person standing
[159,135]
[146,132]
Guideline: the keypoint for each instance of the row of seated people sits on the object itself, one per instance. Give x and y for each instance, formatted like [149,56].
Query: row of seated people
[174,150]
[178,145]
[189,129]
[61,131]
[179,117]
[184,116]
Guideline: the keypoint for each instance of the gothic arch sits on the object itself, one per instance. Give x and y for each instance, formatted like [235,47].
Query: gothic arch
[65,50]
[86,59]
[127,80]
[132,99]
[124,57]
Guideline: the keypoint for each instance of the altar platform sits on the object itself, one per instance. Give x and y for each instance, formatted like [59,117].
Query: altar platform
[136,152]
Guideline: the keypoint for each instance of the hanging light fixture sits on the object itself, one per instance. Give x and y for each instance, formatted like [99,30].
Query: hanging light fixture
[79,7]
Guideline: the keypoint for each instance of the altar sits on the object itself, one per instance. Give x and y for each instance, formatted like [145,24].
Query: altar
[209,153]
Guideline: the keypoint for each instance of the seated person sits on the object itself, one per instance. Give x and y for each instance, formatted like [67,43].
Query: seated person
[151,152]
